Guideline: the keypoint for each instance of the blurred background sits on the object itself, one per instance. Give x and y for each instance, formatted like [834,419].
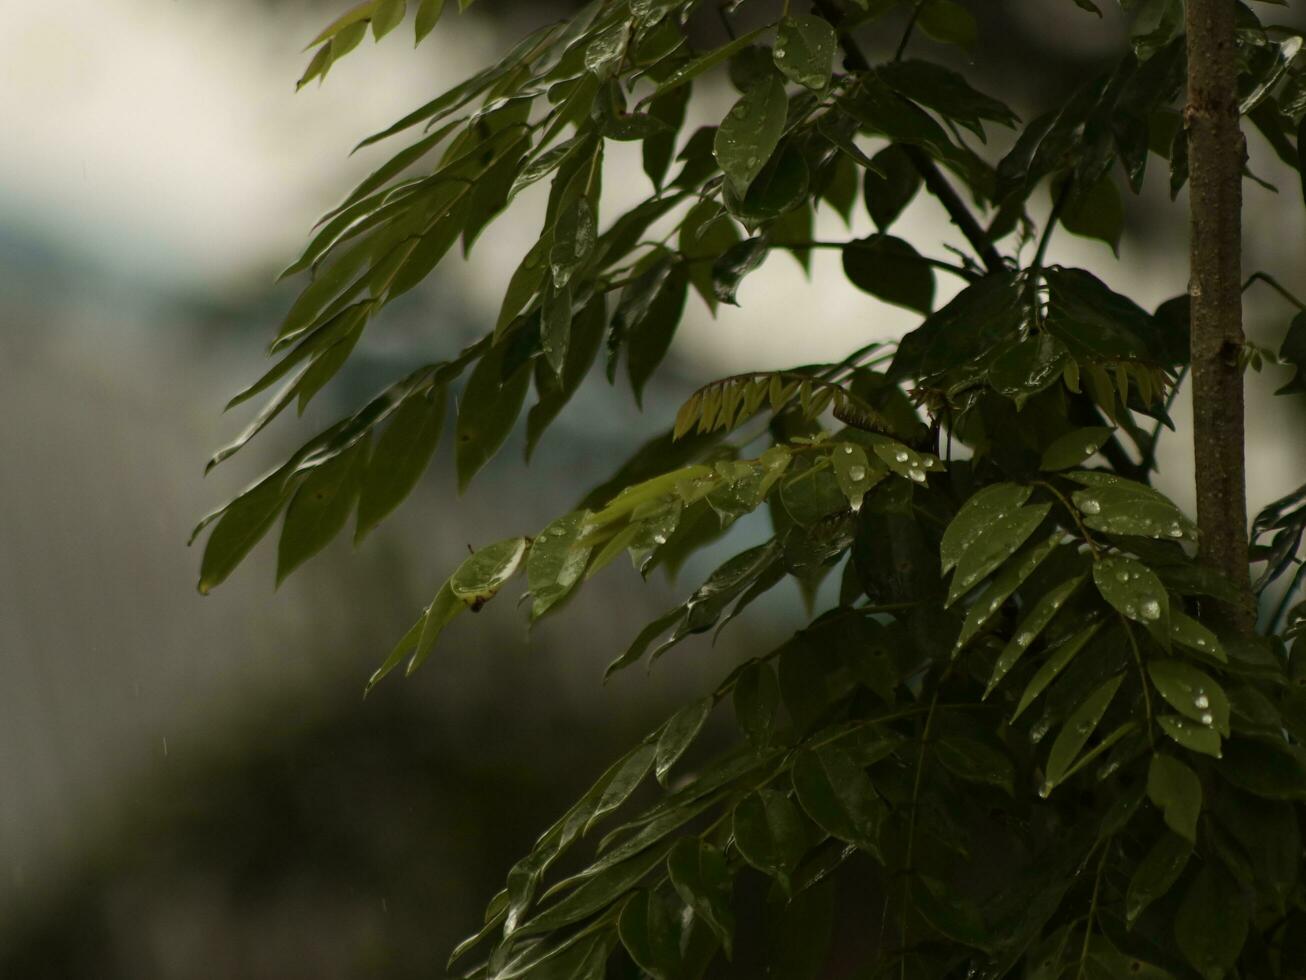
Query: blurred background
[194,786]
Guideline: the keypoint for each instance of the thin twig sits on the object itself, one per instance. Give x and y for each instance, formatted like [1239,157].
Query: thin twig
[1274,284]
[906,34]
[934,180]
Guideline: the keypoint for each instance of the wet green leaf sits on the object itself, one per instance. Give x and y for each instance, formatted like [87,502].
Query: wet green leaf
[680,730]
[750,132]
[1035,621]
[1134,590]
[1118,506]
[702,879]
[487,410]
[480,577]
[556,561]
[1076,732]
[1192,735]
[1074,448]
[1058,659]
[650,935]
[1156,874]
[756,697]
[804,50]
[837,794]
[771,834]
[1191,692]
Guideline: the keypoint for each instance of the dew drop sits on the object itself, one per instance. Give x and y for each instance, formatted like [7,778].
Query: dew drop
[751,162]
[1089,505]
[1131,610]
[848,450]
[1045,790]
[660,538]
[916,475]
[857,473]
[1122,576]
[902,456]
[1208,719]
[1202,701]
[1175,531]
[1200,642]
[1151,610]
[1024,639]
[1090,449]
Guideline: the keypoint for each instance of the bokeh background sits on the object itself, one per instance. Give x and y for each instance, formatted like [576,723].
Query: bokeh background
[193,786]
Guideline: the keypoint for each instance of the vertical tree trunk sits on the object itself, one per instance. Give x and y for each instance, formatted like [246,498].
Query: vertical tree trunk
[1216,152]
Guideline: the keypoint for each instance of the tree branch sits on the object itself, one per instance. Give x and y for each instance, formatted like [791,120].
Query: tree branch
[1216,150]
[934,180]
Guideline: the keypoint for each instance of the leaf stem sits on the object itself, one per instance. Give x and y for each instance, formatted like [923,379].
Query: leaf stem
[1274,284]
[1142,679]
[906,34]
[1092,911]
[1074,515]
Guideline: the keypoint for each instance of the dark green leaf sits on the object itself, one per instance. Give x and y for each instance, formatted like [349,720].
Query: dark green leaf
[1035,621]
[1156,874]
[650,935]
[680,730]
[1175,788]
[1074,448]
[402,454]
[890,269]
[1057,661]
[1212,924]
[890,184]
[320,508]
[771,834]
[837,794]
[702,879]
[1118,506]
[949,22]
[487,411]
[756,697]
[1076,732]
[1028,367]
[244,521]
[1191,735]
[750,132]
[977,762]
[1134,590]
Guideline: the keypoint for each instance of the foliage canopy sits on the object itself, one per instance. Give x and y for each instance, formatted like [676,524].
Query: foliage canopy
[1021,729]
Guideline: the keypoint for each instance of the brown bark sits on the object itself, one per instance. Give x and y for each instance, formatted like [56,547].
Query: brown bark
[1216,151]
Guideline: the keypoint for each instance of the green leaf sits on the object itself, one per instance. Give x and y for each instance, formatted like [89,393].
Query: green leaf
[320,508]
[702,879]
[756,697]
[487,410]
[1035,621]
[771,834]
[855,472]
[585,336]
[977,762]
[890,269]
[648,337]
[1134,590]
[1096,323]
[1156,874]
[428,15]
[243,523]
[555,326]
[804,50]
[351,17]
[480,577]
[1096,212]
[594,893]
[1006,582]
[837,794]
[985,507]
[677,734]
[984,547]
[650,935]
[1115,505]
[1028,367]
[387,16]
[1074,448]
[623,779]
[890,183]
[1267,768]
[734,264]
[1076,732]
[751,131]
[1192,693]
[573,240]
[557,561]
[946,92]
[1191,735]
[1177,791]
[1212,924]
[1059,659]
[949,22]
[401,457]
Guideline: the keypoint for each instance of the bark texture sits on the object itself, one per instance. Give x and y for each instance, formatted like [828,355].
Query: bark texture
[1216,151]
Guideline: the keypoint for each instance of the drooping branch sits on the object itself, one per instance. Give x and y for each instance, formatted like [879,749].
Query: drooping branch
[1216,151]
[935,182]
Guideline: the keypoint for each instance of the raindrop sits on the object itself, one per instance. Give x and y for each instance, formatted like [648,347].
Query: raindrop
[1122,576]
[917,475]
[1202,701]
[848,450]
[1200,642]
[902,456]
[558,532]
[1090,449]
[1175,531]
[1131,610]
[1039,730]
[857,473]
[1045,790]
[1151,610]
[1208,719]
[660,538]
[1025,639]
[1089,505]
[751,162]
